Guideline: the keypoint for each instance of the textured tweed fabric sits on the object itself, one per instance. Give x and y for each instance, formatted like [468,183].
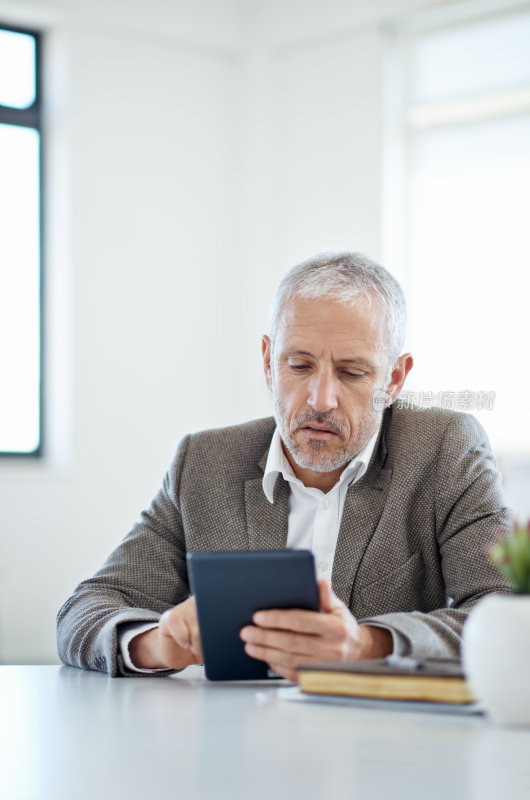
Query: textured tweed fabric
[412,551]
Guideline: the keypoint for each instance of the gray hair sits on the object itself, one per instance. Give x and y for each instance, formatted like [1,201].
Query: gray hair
[344,277]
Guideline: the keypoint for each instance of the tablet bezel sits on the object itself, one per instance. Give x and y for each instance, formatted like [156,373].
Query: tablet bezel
[229,586]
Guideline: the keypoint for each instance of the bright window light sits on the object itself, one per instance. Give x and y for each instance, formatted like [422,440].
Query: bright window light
[465,132]
[482,56]
[20,313]
[17,69]
[469,268]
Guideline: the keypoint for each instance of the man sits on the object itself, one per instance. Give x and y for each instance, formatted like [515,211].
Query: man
[399,506]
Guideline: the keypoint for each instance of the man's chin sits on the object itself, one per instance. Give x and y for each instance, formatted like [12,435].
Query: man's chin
[319,462]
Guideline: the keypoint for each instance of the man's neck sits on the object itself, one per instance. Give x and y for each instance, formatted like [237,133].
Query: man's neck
[325,481]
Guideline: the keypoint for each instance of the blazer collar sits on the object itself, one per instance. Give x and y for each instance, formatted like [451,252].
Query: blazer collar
[266,522]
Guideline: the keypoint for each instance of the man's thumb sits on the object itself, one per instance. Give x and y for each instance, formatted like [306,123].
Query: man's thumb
[327,597]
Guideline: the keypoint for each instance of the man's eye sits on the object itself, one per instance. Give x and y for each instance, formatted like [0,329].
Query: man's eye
[354,375]
[298,367]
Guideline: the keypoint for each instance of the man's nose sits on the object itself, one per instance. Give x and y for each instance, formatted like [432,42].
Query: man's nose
[322,392]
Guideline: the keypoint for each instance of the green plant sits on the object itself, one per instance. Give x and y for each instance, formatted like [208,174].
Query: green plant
[512,557]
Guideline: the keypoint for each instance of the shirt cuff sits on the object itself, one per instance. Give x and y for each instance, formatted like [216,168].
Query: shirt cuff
[400,643]
[125,635]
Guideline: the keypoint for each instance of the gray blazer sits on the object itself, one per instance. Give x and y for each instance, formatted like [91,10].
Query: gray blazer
[412,550]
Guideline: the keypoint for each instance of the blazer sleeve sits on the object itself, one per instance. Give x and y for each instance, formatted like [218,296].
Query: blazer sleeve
[145,575]
[470,517]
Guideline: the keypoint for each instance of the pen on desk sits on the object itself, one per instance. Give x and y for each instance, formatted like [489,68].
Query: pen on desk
[405,662]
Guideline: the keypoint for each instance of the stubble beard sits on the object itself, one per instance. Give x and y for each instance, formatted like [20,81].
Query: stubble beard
[312,454]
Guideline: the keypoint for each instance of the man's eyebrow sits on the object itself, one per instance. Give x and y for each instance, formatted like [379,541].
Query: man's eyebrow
[358,362]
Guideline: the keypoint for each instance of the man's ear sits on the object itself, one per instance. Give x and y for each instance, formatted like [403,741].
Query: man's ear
[266,350]
[402,367]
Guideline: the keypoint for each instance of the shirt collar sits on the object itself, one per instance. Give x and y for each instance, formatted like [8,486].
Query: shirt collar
[277,463]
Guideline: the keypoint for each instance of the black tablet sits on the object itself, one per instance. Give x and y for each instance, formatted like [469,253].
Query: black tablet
[230,586]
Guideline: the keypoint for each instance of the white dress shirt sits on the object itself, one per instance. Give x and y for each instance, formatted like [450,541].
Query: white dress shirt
[314,516]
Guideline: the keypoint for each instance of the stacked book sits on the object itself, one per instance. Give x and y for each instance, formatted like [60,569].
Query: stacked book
[393,678]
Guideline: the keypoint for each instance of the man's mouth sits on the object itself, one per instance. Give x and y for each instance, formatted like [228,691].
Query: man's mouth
[319,431]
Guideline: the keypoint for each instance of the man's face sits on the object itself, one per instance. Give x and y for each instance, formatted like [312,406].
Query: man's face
[328,358]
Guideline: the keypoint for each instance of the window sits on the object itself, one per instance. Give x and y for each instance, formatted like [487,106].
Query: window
[20,249]
[464,132]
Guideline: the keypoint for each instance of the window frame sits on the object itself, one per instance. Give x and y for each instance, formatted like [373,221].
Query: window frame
[31,117]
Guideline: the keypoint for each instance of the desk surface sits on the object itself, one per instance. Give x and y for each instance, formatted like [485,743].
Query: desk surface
[71,734]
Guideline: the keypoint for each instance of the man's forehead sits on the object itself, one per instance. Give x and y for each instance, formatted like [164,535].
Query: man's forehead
[307,318]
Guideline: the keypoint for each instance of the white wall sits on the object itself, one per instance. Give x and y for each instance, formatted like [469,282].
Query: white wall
[195,150]
[142,139]
[314,139]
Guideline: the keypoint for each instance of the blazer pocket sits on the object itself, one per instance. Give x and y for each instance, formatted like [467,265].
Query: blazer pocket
[398,590]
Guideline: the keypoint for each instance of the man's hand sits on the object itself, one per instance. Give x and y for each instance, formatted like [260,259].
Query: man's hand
[175,644]
[287,638]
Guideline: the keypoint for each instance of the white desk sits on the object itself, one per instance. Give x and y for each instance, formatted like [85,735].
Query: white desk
[75,735]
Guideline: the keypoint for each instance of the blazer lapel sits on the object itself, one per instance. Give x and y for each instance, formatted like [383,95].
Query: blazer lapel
[266,522]
[364,505]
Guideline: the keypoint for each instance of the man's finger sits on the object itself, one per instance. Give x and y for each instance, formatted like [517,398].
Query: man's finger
[328,599]
[286,641]
[273,656]
[312,623]
[283,672]
[180,624]
[173,626]
[192,622]
[285,660]
[302,646]
[288,620]
[196,647]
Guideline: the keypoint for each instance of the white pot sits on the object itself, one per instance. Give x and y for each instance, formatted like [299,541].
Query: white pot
[496,656]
